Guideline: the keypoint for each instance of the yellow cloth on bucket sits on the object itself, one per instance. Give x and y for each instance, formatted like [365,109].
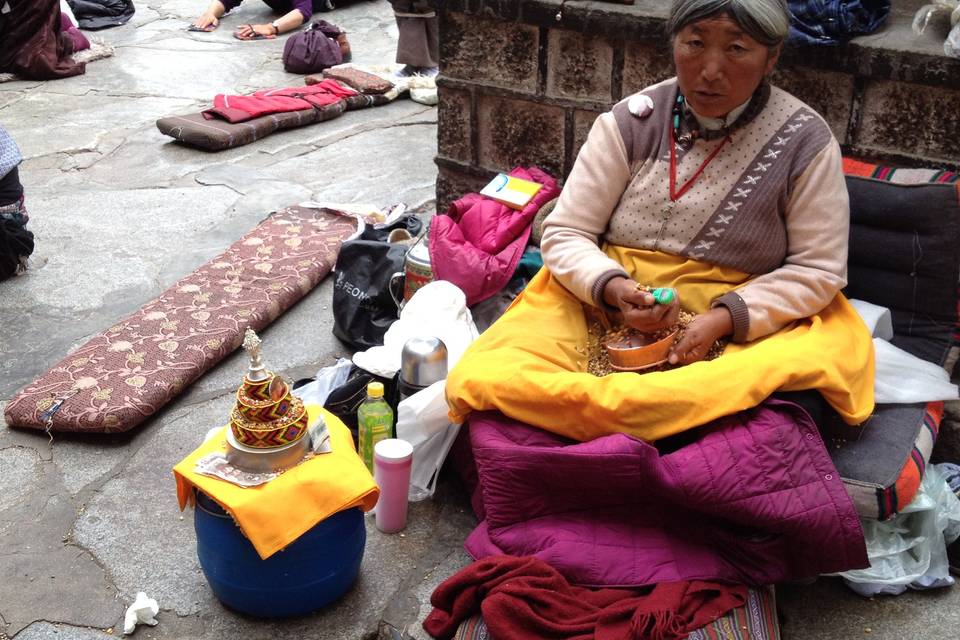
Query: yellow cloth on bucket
[532,363]
[275,514]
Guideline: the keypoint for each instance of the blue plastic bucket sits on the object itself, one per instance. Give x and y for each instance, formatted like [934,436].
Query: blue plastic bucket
[316,569]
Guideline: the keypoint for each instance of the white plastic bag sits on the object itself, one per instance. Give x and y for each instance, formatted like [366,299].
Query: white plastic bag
[422,421]
[904,378]
[910,549]
[437,309]
[327,379]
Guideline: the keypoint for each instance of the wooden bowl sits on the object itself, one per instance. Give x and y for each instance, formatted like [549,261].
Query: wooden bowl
[632,354]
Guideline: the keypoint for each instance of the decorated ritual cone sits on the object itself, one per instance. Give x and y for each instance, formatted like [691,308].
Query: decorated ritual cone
[266,415]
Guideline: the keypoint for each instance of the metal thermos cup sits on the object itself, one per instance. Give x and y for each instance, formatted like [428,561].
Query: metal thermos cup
[422,362]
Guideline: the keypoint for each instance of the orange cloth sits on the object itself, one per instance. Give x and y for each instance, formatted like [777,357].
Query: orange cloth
[275,514]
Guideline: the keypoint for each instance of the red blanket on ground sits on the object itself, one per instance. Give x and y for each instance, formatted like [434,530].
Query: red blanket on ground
[242,108]
[526,599]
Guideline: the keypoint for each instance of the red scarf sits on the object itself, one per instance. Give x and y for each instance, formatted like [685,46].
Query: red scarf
[526,599]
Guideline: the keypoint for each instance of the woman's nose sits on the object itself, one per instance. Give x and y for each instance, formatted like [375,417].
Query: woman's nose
[712,69]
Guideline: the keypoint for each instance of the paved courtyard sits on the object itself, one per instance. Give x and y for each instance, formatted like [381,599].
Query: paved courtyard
[120,212]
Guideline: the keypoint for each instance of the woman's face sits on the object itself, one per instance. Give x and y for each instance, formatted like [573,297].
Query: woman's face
[718,65]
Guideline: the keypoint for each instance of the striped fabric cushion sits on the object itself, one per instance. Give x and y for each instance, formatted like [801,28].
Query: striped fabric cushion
[755,620]
[905,225]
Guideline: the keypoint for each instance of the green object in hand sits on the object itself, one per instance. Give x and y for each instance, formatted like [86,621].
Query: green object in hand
[663,295]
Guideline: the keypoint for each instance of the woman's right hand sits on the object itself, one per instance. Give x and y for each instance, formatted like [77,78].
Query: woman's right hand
[639,308]
[207,20]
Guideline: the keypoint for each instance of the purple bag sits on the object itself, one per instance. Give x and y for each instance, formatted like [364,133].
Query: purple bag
[317,47]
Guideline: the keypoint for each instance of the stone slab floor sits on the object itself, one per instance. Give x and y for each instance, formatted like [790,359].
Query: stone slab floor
[120,212]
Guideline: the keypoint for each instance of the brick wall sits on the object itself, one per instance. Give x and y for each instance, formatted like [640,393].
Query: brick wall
[517,86]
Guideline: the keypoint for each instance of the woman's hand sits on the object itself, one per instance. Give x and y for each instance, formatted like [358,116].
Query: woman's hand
[700,335]
[639,308]
[250,30]
[207,21]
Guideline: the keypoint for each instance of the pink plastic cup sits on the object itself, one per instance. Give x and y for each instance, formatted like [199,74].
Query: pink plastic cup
[392,459]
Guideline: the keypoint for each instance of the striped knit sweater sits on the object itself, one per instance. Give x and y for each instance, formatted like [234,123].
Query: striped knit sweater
[772,203]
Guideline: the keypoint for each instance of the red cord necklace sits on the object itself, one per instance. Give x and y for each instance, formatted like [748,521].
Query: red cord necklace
[674,194]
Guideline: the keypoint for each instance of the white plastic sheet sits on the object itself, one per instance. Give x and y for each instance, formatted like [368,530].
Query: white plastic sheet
[905,378]
[901,377]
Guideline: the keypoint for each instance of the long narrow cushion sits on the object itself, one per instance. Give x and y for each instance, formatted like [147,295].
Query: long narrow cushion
[215,135]
[125,374]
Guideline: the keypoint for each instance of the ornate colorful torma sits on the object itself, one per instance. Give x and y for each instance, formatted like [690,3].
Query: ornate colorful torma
[266,415]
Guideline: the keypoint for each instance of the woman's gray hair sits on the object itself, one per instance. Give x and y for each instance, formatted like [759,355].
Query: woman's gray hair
[766,21]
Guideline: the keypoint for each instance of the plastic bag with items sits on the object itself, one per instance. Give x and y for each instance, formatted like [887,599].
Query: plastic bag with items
[910,549]
[943,15]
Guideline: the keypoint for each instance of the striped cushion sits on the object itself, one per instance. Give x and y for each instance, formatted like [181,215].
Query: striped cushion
[904,255]
[755,620]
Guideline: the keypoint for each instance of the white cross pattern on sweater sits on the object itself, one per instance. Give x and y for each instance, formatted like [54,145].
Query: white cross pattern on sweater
[802,117]
[742,193]
[751,180]
[704,244]
[762,167]
[733,206]
[772,154]
[781,141]
[722,219]
[793,128]
[714,232]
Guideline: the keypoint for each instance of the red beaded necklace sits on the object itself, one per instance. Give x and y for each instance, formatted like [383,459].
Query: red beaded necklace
[674,193]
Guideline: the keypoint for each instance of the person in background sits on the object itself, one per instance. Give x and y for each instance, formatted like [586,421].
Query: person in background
[294,13]
[16,242]
[418,45]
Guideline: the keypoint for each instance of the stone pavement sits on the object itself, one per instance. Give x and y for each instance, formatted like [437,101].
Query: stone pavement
[120,212]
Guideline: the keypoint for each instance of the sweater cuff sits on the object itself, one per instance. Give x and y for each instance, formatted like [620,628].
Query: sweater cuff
[738,311]
[596,292]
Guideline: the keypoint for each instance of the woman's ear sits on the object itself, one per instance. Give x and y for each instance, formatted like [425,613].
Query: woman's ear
[772,56]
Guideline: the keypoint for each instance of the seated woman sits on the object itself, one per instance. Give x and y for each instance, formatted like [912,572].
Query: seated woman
[720,186]
[295,13]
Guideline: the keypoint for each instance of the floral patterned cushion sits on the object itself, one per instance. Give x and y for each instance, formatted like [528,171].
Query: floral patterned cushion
[126,373]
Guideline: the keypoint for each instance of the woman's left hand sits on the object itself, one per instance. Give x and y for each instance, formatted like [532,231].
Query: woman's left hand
[700,335]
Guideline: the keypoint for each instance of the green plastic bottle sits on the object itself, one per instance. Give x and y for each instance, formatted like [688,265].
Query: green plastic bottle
[374,422]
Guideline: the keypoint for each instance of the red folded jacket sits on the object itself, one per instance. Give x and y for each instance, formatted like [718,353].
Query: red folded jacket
[242,108]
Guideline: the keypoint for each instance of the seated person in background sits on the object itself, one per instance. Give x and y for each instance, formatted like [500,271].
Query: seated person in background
[16,243]
[418,45]
[34,42]
[295,13]
[720,186]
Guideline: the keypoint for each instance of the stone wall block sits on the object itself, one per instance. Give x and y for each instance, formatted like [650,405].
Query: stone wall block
[517,132]
[489,51]
[579,66]
[453,185]
[644,65]
[582,121]
[911,119]
[453,125]
[829,93]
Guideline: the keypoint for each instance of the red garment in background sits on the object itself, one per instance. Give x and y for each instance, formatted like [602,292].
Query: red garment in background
[32,44]
[526,599]
[242,108]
